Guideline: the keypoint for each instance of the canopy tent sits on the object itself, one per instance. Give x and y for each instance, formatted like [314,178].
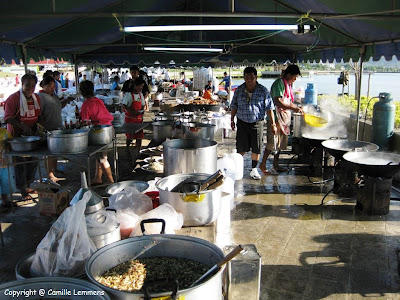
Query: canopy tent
[90,30]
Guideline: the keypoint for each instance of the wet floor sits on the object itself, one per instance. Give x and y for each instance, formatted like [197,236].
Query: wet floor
[308,250]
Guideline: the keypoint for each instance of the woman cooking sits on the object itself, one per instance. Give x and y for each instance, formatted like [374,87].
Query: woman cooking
[134,103]
[22,110]
[94,109]
[50,118]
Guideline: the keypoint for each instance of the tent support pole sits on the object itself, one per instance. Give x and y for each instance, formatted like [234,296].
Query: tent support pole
[76,75]
[358,96]
[25,58]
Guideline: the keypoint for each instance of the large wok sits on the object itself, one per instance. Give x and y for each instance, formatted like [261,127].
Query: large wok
[375,164]
[339,147]
[316,138]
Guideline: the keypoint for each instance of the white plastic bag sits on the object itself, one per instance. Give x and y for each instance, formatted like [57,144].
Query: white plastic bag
[173,221]
[127,220]
[131,198]
[66,246]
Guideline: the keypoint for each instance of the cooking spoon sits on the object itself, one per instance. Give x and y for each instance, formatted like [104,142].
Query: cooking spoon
[218,265]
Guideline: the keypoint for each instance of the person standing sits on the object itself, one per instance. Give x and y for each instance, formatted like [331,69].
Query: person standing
[4,180]
[134,103]
[21,113]
[249,104]
[58,86]
[227,80]
[94,109]
[282,94]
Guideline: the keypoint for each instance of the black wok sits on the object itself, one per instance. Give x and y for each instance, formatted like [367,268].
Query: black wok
[315,139]
[339,147]
[375,164]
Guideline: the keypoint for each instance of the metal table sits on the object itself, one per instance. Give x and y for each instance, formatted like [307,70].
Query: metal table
[42,152]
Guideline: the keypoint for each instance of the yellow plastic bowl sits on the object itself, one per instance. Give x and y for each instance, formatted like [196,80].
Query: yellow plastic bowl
[315,121]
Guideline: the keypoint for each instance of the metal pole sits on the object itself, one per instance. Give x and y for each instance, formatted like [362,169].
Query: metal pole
[369,83]
[25,58]
[76,75]
[360,70]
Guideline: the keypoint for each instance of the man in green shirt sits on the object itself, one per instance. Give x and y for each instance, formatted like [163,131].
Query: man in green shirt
[282,95]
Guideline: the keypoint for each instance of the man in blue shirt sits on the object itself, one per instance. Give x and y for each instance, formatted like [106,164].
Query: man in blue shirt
[227,80]
[249,104]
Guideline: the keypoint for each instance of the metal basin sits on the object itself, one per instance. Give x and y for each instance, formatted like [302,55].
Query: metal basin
[49,284]
[68,141]
[198,131]
[182,156]
[339,147]
[375,164]
[197,209]
[141,186]
[157,245]
[101,135]
[163,130]
[25,143]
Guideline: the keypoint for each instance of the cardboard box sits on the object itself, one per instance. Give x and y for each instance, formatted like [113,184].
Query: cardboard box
[53,199]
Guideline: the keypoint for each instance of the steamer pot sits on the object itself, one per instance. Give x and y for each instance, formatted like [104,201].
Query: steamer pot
[68,141]
[159,245]
[163,130]
[182,156]
[197,209]
[198,131]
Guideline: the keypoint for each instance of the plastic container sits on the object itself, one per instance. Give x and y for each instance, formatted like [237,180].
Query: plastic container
[310,96]
[227,166]
[383,120]
[239,164]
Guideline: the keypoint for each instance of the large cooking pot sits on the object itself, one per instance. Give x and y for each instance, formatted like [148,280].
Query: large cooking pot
[157,245]
[108,234]
[375,164]
[71,288]
[197,209]
[316,138]
[198,131]
[183,156]
[25,143]
[339,147]
[101,135]
[68,141]
[163,130]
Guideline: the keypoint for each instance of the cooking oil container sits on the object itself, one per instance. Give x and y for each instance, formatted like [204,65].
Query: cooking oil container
[244,274]
[310,96]
[383,120]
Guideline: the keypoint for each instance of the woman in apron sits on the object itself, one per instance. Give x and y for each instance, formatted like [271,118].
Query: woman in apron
[282,94]
[133,104]
[22,110]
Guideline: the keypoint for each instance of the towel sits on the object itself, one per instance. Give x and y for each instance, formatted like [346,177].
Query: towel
[23,103]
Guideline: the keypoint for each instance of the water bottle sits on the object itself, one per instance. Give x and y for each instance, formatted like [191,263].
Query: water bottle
[227,166]
[238,161]
[275,150]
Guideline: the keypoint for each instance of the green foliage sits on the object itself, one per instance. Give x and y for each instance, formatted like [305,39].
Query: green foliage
[366,105]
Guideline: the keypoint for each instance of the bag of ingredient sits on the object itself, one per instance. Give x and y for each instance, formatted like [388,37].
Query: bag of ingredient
[127,220]
[130,198]
[173,221]
[66,246]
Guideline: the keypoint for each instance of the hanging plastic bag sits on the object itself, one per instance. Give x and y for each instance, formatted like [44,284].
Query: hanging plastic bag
[173,221]
[66,246]
[130,198]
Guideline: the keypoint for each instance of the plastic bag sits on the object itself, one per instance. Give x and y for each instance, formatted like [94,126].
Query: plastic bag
[130,198]
[101,222]
[66,246]
[173,221]
[127,221]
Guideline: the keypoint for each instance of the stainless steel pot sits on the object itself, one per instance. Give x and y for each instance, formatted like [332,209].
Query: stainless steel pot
[68,141]
[197,209]
[109,235]
[198,131]
[25,143]
[298,124]
[190,156]
[101,135]
[163,130]
[50,285]
[159,246]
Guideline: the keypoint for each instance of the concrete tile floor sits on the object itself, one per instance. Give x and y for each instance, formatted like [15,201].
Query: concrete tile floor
[308,251]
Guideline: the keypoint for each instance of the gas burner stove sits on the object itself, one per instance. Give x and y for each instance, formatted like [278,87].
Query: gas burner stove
[373,195]
[345,179]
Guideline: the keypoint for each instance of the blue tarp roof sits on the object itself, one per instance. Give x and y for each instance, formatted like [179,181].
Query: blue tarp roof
[90,30]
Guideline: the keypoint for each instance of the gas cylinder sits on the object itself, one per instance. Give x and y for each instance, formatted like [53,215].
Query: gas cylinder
[310,94]
[383,120]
